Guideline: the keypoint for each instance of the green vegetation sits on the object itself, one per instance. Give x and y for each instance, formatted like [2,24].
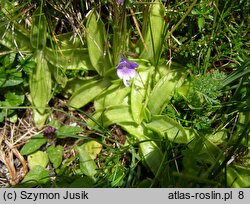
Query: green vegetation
[179,118]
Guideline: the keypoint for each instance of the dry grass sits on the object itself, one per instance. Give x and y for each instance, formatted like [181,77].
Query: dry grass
[13,166]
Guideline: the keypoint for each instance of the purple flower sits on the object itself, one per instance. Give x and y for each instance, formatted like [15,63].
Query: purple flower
[49,132]
[120,2]
[126,70]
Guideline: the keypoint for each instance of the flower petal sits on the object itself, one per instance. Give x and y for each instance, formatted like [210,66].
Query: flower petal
[131,73]
[126,73]
[120,73]
[133,65]
[125,82]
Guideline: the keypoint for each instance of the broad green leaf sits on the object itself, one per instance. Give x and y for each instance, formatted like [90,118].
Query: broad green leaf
[12,79]
[154,33]
[136,130]
[93,148]
[9,73]
[150,152]
[40,84]
[165,69]
[28,64]
[35,177]
[39,118]
[58,74]
[189,161]
[87,164]
[40,78]
[97,118]
[8,60]
[20,34]
[244,170]
[69,59]
[218,137]
[205,150]
[117,114]
[21,37]
[96,39]
[167,127]
[114,95]
[68,131]
[55,155]
[13,99]
[112,115]
[38,158]
[68,54]
[33,144]
[38,36]
[139,94]
[65,43]
[152,155]
[212,151]
[88,92]
[75,84]
[163,92]
[137,104]
[238,177]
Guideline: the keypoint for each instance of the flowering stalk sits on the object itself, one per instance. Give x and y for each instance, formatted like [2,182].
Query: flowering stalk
[119,29]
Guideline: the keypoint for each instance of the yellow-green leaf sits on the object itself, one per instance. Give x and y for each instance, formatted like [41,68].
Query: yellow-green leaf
[40,84]
[55,155]
[36,176]
[88,92]
[167,127]
[238,177]
[154,33]
[33,144]
[38,158]
[151,153]
[139,93]
[117,114]
[96,37]
[38,36]
[87,164]
[93,148]
[163,92]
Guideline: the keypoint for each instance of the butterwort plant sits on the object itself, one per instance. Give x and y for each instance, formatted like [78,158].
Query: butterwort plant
[126,70]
